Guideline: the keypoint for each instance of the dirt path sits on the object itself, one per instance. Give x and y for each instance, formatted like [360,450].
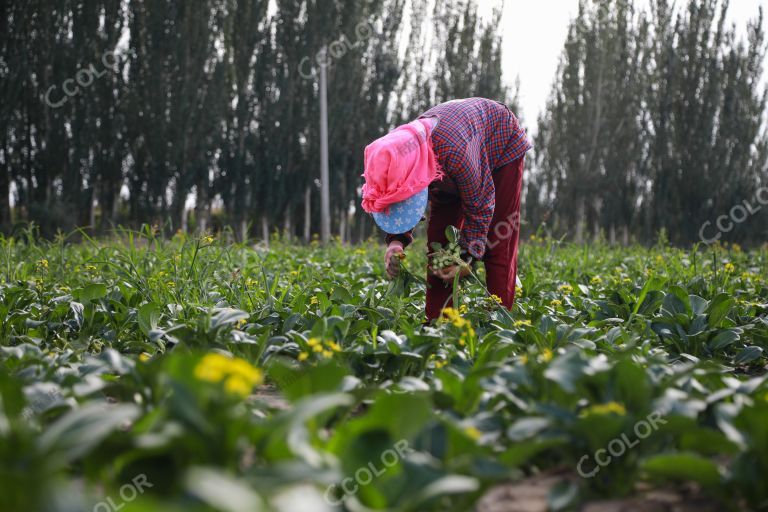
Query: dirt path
[530,495]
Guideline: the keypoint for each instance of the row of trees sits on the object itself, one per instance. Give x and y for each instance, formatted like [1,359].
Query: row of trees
[117,112]
[657,120]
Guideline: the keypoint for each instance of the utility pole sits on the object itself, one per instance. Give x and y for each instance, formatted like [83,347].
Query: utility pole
[325,201]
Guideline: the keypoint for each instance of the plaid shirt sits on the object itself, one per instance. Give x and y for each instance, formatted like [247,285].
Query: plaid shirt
[472,138]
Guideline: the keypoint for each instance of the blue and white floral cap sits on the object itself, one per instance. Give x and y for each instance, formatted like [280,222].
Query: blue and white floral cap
[403,216]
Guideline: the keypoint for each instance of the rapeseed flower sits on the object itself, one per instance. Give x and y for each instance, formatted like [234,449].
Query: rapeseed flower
[238,376]
[605,409]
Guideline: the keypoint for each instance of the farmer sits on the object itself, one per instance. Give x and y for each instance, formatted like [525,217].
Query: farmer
[465,158]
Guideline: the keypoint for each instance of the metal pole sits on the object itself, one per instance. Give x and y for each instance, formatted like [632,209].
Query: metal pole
[325,201]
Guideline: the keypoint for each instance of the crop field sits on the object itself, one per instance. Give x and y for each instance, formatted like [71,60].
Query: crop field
[195,374]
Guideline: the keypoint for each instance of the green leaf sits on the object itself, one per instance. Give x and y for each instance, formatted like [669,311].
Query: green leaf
[227,316]
[724,339]
[451,233]
[719,308]
[222,491]
[749,354]
[683,467]
[527,428]
[148,317]
[653,284]
[93,292]
[78,432]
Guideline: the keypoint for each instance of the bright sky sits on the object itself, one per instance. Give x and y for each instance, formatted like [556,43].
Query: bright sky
[534,33]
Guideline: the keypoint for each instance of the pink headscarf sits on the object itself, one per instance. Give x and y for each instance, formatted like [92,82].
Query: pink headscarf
[399,165]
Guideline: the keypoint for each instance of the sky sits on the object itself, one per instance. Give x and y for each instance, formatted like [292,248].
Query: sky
[534,34]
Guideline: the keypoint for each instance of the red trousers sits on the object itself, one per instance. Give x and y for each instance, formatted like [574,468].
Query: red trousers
[501,249]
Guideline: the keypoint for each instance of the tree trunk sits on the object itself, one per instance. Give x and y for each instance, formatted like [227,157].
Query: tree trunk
[579,234]
[307,214]
[243,230]
[265,230]
[288,224]
[361,228]
[5,185]
[342,225]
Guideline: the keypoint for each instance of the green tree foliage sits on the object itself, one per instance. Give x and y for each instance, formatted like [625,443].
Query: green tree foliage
[656,121]
[216,101]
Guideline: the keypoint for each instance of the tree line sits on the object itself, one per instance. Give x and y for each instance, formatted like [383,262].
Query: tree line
[127,113]
[656,121]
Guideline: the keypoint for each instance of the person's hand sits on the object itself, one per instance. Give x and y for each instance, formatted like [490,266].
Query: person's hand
[395,253]
[448,274]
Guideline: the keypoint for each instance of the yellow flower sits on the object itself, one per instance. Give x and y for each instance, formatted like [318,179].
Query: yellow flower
[327,354]
[596,280]
[453,316]
[313,301]
[497,299]
[313,342]
[238,375]
[332,345]
[317,348]
[294,273]
[90,267]
[546,356]
[144,357]
[473,433]
[207,239]
[729,268]
[171,284]
[605,409]
[42,265]
[241,322]
[440,363]
[211,368]
[238,386]
[303,356]
[518,291]
[556,303]
[463,309]
[565,289]
[522,323]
